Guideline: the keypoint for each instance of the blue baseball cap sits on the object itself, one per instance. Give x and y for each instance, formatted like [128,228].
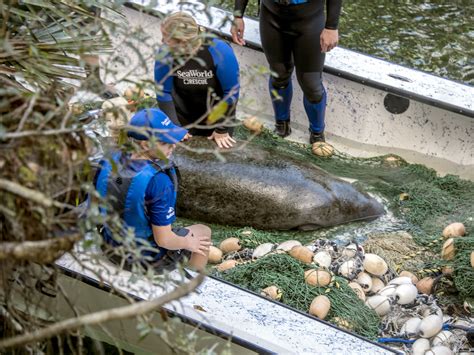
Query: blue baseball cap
[160,126]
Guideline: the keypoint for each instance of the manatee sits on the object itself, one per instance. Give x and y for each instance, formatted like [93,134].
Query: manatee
[258,187]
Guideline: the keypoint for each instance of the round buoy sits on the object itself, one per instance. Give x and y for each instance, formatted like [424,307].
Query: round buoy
[230,244]
[375,265]
[380,304]
[320,306]
[317,277]
[425,285]
[323,258]
[226,265]
[302,254]
[347,268]
[288,245]
[406,293]
[448,251]
[365,281]
[430,326]
[253,124]
[322,149]
[411,327]
[272,292]
[412,276]
[262,250]
[358,290]
[215,255]
[377,284]
[454,230]
[420,346]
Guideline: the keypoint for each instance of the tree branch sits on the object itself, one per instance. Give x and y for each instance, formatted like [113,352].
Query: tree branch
[136,309]
[43,251]
[30,194]
[51,132]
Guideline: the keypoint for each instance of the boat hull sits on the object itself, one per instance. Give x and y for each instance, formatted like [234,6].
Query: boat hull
[374,107]
[222,316]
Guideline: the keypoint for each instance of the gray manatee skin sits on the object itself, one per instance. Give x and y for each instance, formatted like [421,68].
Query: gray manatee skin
[255,187]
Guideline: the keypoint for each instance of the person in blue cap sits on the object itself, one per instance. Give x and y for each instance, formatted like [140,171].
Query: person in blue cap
[295,34]
[141,187]
[197,75]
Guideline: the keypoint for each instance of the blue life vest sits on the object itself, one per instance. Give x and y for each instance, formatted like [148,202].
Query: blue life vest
[127,189]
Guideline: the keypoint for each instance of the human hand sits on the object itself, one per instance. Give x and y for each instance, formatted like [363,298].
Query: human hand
[328,39]
[223,140]
[237,31]
[198,244]
[187,137]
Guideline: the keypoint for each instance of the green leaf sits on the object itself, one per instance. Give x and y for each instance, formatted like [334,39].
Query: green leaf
[218,111]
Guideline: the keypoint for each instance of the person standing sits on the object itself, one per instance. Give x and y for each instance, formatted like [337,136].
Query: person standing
[197,73]
[295,34]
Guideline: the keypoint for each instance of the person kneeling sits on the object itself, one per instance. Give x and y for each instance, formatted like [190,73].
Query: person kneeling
[141,187]
[199,76]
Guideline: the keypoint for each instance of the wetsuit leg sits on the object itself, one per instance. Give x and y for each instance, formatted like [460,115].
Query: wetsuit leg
[277,47]
[309,62]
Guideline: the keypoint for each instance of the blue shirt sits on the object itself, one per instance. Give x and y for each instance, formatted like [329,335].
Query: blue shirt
[160,196]
[160,200]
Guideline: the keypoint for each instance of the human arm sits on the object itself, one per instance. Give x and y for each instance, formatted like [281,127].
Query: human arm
[238,25]
[166,238]
[227,73]
[239,8]
[164,78]
[237,31]
[330,35]
[160,199]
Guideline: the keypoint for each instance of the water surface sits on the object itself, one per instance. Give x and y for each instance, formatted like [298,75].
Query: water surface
[435,36]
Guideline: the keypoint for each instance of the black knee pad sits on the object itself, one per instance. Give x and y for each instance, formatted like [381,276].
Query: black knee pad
[283,72]
[312,86]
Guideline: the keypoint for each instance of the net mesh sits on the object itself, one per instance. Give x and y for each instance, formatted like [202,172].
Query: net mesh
[414,193]
[287,274]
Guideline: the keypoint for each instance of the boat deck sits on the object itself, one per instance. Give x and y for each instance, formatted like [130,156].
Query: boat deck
[251,320]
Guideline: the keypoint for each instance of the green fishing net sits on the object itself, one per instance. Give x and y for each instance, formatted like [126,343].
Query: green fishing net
[463,274]
[287,274]
[462,270]
[425,202]
[414,192]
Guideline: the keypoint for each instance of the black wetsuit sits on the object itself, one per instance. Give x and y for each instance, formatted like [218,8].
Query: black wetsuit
[191,91]
[290,37]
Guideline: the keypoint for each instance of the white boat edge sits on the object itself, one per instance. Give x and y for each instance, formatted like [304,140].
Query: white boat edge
[431,89]
[222,310]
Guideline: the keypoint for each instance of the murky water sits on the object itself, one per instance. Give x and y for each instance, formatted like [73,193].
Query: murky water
[436,36]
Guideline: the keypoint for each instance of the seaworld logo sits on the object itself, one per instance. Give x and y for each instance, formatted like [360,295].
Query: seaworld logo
[194,76]
[170,213]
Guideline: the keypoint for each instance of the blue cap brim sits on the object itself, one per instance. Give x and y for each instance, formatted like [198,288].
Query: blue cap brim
[172,136]
[148,122]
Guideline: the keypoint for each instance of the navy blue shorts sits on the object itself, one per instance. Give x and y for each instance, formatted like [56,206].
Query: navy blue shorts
[170,260]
